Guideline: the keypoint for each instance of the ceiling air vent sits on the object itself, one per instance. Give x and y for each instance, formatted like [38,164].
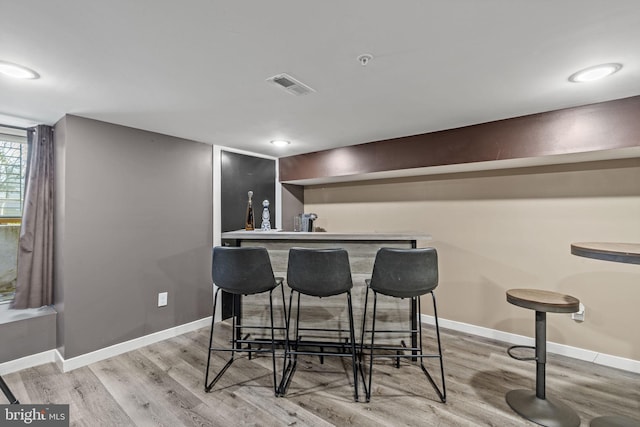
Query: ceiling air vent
[290,84]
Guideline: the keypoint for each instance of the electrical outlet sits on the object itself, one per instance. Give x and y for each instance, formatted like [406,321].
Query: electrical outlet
[162,299]
[579,316]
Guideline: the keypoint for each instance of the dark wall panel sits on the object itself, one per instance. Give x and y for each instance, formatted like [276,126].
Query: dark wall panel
[241,173]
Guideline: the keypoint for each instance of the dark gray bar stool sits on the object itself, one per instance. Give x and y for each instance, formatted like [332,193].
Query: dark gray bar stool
[242,271]
[318,273]
[404,273]
[536,406]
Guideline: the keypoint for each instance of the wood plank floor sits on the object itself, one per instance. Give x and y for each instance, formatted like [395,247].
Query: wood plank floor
[162,385]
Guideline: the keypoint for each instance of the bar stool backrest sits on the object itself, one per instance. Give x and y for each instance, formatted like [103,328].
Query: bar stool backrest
[405,273]
[319,272]
[242,270]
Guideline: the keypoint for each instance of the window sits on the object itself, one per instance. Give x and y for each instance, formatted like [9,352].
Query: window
[13,158]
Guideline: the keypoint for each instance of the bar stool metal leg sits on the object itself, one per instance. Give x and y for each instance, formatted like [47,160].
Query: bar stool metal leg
[7,392]
[354,354]
[292,347]
[209,385]
[417,352]
[236,345]
[276,385]
[442,394]
[289,364]
[373,331]
[535,406]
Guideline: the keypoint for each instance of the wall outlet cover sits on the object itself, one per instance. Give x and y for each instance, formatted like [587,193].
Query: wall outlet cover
[162,299]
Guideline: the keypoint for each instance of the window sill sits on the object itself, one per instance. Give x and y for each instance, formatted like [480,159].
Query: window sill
[8,315]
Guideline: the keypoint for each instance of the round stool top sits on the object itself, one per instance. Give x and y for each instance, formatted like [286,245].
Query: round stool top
[539,300]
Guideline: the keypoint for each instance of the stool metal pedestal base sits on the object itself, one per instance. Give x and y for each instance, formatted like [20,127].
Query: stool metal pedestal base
[546,412]
[614,421]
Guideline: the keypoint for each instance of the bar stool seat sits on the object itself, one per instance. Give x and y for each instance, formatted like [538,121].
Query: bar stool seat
[534,405]
[541,300]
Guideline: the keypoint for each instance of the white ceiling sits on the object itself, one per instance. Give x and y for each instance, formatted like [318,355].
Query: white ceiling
[196,69]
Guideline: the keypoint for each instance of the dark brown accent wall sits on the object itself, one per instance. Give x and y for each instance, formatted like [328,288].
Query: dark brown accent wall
[602,126]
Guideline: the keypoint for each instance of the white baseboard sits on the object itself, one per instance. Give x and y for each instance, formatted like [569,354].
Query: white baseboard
[66,365]
[562,349]
[72,363]
[26,362]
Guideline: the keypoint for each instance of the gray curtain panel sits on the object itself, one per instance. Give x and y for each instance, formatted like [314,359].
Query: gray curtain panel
[34,285]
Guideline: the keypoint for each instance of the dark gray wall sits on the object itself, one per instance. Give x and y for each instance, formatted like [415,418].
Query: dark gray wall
[133,218]
[24,335]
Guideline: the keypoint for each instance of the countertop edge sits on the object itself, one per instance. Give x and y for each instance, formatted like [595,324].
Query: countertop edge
[294,235]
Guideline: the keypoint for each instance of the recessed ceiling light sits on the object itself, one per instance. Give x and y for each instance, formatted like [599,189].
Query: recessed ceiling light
[594,73]
[280,142]
[17,71]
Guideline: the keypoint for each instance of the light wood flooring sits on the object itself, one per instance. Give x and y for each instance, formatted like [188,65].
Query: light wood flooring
[162,385]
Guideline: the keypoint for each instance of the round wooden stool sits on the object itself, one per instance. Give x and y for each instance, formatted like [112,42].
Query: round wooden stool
[535,406]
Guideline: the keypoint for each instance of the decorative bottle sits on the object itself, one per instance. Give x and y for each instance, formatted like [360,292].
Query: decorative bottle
[266,216]
[248,224]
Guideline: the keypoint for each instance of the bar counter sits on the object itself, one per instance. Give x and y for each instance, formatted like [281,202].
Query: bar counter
[362,247]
